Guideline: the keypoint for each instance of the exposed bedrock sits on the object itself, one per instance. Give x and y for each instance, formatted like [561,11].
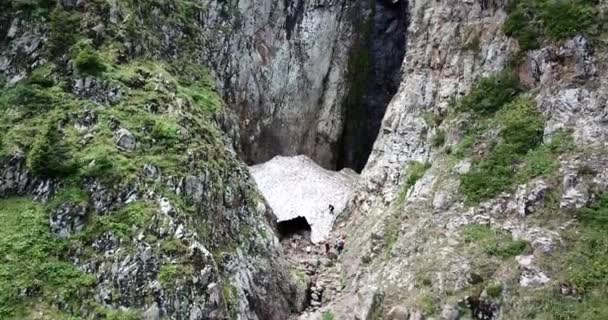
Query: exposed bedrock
[374,76]
[306,77]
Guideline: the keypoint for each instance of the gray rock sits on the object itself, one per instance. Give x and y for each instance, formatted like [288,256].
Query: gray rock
[450,312]
[125,140]
[67,219]
[153,313]
[416,315]
[398,313]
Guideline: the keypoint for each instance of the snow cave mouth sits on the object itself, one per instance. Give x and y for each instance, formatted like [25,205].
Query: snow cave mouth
[295,226]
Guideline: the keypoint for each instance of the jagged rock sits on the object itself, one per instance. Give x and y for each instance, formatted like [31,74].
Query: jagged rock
[529,198]
[398,313]
[530,275]
[441,200]
[67,219]
[86,121]
[450,312]
[153,313]
[416,315]
[125,140]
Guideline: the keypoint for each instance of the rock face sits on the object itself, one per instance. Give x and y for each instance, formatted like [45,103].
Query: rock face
[147,209]
[374,77]
[298,187]
[282,69]
[407,236]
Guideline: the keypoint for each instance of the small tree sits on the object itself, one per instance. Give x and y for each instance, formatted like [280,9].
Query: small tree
[50,156]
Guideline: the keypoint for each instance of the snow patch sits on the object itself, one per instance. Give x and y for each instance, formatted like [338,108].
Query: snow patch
[298,187]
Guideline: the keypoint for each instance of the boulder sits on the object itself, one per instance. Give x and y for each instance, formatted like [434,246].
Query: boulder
[125,140]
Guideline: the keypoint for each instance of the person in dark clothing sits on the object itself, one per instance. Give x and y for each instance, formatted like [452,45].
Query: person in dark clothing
[340,244]
[326,248]
[331,209]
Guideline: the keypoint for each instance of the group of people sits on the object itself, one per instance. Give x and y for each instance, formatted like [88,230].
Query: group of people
[338,245]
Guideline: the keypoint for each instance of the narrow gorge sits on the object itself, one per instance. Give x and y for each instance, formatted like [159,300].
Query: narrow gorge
[201,159]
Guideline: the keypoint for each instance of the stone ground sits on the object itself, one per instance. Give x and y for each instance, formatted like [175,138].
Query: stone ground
[321,272]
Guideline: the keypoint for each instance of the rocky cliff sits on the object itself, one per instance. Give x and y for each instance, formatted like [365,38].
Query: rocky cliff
[484,190]
[120,196]
[126,126]
[282,69]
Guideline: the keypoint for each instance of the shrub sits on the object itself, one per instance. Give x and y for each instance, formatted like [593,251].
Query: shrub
[64,31]
[50,156]
[42,6]
[473,43]
[530,20]
[43,76]
[565,18]
[438,139]
[328,315]
[583,264]
[490,94]
[520,24]
[88,61]
[521,130]
[31,98]
[494,290]
[165,133]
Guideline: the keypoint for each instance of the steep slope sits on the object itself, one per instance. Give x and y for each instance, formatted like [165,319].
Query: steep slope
[120,196]
[484,194]
[282,68]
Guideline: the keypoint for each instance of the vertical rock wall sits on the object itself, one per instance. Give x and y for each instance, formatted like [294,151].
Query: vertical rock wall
[282,69]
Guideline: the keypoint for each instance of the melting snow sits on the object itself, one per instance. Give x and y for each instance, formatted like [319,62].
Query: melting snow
[298,187]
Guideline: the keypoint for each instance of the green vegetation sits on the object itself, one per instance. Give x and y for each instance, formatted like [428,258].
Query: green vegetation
[493,242]
[32,261]
[169,108]
[438,139]
[521,130]
[432,119]
[473,43]
[231,299]
[588,260]
[494,290]
[415,171]
[392,226]
[491,93]
[50,156]
[427,302]
[532,21]
[582,264]
[87,60]
[506,139]
[63,33]
[169,274]
[328,315]
[124,223]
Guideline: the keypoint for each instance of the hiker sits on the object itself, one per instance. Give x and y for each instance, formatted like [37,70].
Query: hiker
[340,244]
[331,209]
[326,248]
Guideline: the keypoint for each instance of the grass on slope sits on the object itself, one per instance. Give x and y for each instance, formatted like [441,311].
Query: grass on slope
[33,270]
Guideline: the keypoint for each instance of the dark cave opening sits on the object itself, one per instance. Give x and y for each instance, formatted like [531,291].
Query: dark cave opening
[296,226]
[375,75]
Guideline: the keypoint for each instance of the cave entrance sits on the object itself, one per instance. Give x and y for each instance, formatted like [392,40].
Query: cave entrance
[375,76]
[297,226]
